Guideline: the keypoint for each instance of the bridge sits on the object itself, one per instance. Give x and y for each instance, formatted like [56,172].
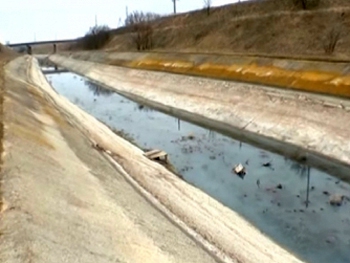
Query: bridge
[41,42]
[27,46]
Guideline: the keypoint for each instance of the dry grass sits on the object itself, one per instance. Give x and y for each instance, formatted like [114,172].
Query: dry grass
[269,27]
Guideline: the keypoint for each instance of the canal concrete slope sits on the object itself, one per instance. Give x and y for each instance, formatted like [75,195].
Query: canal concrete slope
[296,125]
[220,230]
[314,76]
[64,201]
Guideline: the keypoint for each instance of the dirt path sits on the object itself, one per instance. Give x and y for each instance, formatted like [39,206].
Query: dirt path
[64,201]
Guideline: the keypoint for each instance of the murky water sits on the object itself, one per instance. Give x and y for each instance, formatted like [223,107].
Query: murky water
[272,195]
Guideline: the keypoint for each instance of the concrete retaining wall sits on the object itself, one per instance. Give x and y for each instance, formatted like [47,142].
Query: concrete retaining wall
[332,78]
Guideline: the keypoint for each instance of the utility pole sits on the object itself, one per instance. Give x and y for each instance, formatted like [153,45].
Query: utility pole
[95,20]
[174,1]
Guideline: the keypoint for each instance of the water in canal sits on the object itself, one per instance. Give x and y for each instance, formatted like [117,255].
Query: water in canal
[272,195]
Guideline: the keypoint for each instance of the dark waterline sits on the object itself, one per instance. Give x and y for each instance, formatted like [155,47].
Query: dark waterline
[284,199]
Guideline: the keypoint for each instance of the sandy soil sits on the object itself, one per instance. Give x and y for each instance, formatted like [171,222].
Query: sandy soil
[63,200]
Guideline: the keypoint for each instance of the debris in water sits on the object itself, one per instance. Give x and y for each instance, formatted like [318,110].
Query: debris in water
[336,199]
[239,170]
[258,183]
[279,186]
[191,136]
[325,192]
[263,154]
[157,155]
[247,162]
[267,164]
[331,240]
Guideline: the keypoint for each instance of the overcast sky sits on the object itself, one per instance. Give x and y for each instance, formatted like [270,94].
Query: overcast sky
[29,20]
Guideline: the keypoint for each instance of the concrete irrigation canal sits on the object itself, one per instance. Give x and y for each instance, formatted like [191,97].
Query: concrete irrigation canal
[244,173]
[289,202]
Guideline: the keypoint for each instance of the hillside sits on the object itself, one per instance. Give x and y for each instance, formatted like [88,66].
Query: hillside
[267,27]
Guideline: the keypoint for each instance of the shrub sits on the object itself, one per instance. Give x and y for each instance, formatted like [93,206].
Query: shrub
[96,37]
[142,28]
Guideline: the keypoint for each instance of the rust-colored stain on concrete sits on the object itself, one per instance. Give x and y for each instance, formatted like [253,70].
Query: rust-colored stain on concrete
[312,81]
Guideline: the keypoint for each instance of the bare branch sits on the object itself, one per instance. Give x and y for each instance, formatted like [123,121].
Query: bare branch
[142,28]
[331,40]
[207,5]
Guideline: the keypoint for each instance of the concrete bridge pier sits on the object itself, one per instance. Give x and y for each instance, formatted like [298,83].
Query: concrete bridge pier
[29,49]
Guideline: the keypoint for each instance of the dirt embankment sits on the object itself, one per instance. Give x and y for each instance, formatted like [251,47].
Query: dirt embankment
[265,28]
[274,27]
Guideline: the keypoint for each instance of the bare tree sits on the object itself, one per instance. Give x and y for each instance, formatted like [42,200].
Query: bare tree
[142,28]
[207,6]
[96,37]
[140,17]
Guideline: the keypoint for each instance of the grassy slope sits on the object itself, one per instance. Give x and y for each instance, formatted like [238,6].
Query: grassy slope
[271,27]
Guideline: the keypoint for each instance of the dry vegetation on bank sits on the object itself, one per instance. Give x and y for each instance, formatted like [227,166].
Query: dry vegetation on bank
[295,28]
[284,27]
